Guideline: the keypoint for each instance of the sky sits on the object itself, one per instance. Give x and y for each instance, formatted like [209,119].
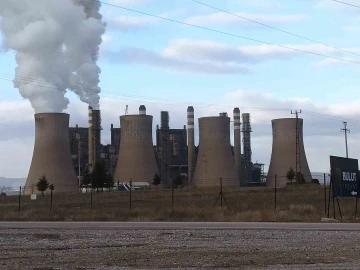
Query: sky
[169,66]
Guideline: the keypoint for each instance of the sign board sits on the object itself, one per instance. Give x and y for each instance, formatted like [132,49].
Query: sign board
[33,197]
[344,176]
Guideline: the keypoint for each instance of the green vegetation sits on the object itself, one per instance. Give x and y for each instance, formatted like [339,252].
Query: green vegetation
[42,185]
[290,175]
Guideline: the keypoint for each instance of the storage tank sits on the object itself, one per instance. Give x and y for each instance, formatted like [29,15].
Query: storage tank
[51,156]
[284,152]
[215,158]
[136,161]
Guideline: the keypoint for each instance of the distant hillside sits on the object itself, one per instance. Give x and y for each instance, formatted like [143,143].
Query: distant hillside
[13,183]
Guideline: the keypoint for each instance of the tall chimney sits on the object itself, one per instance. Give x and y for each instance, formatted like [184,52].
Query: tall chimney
[237,143]
[191,143]
[94,136]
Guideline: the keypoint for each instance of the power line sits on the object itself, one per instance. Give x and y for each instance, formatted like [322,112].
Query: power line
[124,96]
[272,27]
[226,33]
[344,3]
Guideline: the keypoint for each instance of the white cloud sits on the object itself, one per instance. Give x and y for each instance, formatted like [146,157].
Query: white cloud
[321,132]
[205,56]
[332,62]
[131,23]
[352,28]
[221,18]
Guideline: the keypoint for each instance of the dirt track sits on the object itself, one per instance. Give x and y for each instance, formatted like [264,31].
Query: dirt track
[180,249]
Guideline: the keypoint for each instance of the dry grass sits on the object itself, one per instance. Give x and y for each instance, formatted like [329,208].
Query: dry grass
[294,204]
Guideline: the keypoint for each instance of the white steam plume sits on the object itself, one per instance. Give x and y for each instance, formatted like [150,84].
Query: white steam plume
[56,45]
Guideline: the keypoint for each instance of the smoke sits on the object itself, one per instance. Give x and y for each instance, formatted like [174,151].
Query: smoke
[56,45]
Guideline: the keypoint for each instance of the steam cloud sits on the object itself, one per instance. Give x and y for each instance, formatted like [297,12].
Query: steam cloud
[57,46]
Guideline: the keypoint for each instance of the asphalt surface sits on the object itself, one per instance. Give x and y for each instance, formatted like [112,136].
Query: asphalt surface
[184,226]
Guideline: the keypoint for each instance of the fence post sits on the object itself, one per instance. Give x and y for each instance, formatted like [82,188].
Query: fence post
[51,198]
[172,193]
[130,192]
[275,189]
[221,191]
[20,199]
[91,199]
[325,191]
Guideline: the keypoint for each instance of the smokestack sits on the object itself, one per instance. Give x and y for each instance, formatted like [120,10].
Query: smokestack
[142,110]
[136,160]
[94,136]
[237,144]
[283,154]
[247,148]
[51,156]
[215,159]
[191,143]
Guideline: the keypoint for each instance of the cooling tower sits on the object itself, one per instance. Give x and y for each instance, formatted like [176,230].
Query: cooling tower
[136,161]
[52,156]
[237,144]
[94,136]
[191,143]
[215,158]
[283,154]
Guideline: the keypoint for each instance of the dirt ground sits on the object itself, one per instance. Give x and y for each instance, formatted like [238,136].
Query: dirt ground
[178,249]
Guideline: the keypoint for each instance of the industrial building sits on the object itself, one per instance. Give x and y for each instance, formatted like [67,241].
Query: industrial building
[52,156]
[215,159]
[175,151]
[136,160]
[171,150]
[287,151]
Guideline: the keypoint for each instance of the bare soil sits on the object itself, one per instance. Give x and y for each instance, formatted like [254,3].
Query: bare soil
[177,249]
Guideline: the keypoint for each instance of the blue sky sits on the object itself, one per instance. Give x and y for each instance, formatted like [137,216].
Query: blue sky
[147,57]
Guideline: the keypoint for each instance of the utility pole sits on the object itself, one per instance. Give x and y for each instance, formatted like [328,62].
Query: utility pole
[346,130]
[79,157]
[297,145]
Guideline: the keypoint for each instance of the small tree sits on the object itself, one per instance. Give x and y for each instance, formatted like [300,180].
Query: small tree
[51,187]
[86,180]
[42,185]
[178,181]
[99,175]
[156,179]
[300,178]
[290,175]
[109,181]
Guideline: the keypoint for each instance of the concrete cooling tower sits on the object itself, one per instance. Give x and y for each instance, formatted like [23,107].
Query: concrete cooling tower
[136,161]
[215,158]
[52,156]
[284,152]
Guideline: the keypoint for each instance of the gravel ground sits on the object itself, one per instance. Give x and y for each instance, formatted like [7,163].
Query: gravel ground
[179,249]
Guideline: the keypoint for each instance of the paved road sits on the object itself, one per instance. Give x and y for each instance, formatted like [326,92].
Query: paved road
[184,226]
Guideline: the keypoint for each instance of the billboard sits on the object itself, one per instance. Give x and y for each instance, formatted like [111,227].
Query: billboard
[344,176]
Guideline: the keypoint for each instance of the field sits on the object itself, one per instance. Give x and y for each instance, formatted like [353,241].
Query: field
[296,203]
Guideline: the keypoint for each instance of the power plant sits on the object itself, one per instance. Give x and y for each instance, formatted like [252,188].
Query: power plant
[215,159]
[62,153]
[136,160]
[287,151]
[51,156]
